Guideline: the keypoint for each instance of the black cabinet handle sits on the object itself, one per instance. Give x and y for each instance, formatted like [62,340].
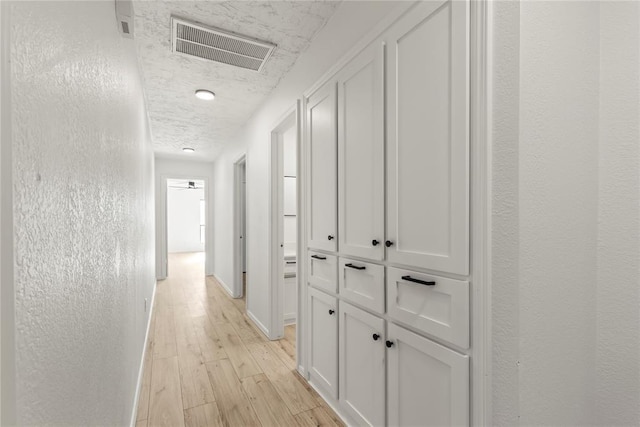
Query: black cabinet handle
[357,267]
[374,242]
[331,312]
[388,243]
[330,237]
[291,262]
[376,337]
[422,282]
[318,257]
[389,344]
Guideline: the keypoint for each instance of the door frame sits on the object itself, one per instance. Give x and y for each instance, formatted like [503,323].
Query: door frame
[290,118]
[164,219]
[238,194]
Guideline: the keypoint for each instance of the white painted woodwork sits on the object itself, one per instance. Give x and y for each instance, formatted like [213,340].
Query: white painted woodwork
[323,360]
[361,154]
[363,287]
[323,271]
[322,169]
[362,366]
[428,383]
[290,299]
[441,310]
[428,138]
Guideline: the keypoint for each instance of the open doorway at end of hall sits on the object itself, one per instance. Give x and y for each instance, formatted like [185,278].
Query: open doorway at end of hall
[186,227]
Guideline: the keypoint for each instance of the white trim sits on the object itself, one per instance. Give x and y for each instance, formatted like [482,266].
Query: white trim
[136,398]
[301,349]
[224,285]
[276,252]
[480,143]
[236,291]
[258,323]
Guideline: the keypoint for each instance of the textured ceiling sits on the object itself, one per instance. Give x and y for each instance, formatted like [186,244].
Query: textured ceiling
[177,117]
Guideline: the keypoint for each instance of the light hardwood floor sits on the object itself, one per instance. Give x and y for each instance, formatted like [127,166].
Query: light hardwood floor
[207,365]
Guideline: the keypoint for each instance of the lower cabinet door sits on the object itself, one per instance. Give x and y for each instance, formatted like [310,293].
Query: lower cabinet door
[428,383]
[362,365]
[323,319]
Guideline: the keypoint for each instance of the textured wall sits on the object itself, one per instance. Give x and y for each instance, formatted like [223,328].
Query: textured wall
[83,204]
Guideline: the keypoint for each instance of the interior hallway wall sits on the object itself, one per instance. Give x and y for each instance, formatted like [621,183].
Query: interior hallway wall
[566,203]
[83,214]
[351,22]
[183,169]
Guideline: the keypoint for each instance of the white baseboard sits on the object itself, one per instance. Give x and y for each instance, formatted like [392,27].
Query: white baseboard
[224,286]
[290,318]
[134,413]
[259,324]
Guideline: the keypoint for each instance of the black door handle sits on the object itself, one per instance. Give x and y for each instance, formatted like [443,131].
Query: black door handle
[331,312]
[374,242]
[357,267]
[389,344]
[422,282]
[376,337]
[388,243]
[318,257]
[329,237]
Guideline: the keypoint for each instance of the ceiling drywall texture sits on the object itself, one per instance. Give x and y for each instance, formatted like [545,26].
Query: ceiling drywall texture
[179,119]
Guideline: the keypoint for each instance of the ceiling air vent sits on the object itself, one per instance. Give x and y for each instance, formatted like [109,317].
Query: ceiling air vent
[217,45]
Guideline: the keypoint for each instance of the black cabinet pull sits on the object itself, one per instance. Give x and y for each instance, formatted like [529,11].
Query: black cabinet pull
[374,242]
[376,337]
[422,282]
[318,257]
[291,262]
[388,243]
[389,344]
[330,237]
[357,267]
[331,312]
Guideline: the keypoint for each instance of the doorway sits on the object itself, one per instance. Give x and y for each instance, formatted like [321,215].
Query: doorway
[240,229]
[284,225]
[186,221]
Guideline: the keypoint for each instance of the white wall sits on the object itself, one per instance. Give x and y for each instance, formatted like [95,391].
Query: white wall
[183,220]
[183,169]
[351,21]
[83,214]
[565,213]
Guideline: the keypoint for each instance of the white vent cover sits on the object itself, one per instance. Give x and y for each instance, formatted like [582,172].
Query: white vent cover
[216,45]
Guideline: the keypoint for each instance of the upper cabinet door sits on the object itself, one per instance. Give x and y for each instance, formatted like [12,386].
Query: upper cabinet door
[322,167]
[428,138]
[361,155]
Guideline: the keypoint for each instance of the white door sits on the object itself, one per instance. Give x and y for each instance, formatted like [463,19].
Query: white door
[323,363]
[361,155]
[322,167]
[428,138]
[362,365]
[428,383]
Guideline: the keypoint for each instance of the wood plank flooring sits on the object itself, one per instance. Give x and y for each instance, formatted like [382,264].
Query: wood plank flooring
[208,365]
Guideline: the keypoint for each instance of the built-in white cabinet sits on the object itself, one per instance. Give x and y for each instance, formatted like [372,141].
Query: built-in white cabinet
[321,127]
[362,283]
[362,365]
[428,138]
[361,155]
[322,271]
[428,383]
[323,360]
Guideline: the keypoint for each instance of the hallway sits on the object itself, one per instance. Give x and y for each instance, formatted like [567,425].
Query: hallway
[206,364]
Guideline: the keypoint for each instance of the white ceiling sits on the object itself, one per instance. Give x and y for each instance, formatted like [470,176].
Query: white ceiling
[177,117]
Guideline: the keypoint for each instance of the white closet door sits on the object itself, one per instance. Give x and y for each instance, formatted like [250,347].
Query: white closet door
[323,363]
[428,383]
[361,154]
[362,365]
[428,138]
[322,167]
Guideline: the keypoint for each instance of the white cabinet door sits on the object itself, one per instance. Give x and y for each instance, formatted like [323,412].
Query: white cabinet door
[322,168]
[362,283]
[322,271]
[428,138]
[362,365]
[323,319]
[361,155]
[428,383]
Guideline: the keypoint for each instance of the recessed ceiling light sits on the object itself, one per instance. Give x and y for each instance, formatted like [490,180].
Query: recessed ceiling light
[207,95]
[188,150]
